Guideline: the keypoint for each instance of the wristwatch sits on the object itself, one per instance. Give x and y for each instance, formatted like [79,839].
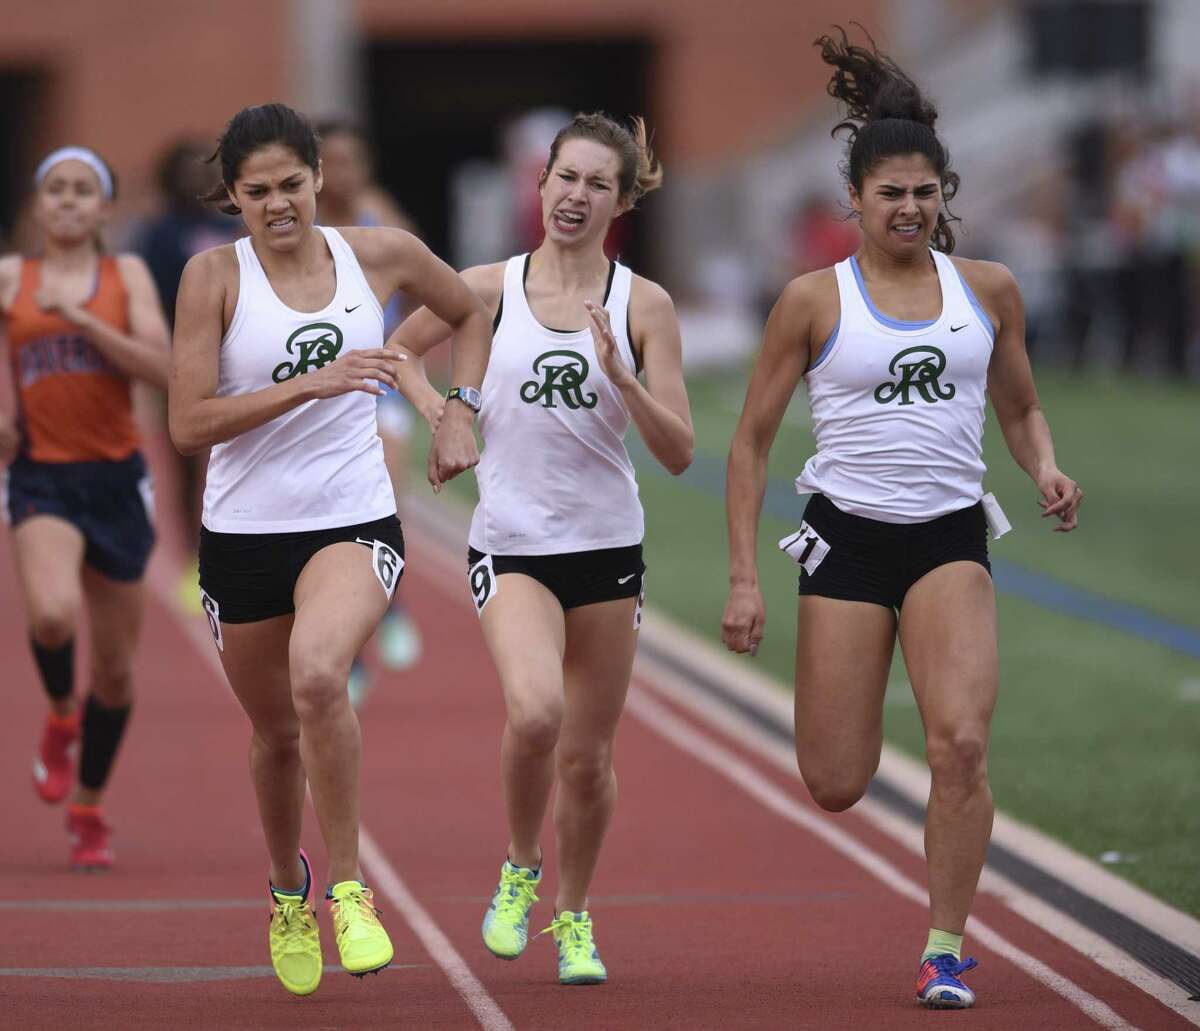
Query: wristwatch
[467,395]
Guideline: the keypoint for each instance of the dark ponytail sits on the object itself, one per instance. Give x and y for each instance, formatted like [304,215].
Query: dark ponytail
[886,116]
[250,129]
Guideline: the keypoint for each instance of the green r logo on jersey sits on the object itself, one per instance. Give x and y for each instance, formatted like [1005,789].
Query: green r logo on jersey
[313,347]
[920,372]
[562,373]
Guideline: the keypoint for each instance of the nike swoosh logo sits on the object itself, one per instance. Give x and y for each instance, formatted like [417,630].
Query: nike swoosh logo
[625,579]
[359,540]
[355,308]
[955,329]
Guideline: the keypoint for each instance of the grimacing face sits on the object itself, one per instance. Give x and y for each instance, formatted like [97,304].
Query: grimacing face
[580,192]
[899,203]
[70,205]
[277,193]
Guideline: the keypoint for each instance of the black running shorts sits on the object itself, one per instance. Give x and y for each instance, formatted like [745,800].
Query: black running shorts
[245,577]
[858,559]
[110,503]
[576,578]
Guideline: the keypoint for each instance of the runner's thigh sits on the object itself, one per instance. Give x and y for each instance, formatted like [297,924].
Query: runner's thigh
[524,628]
[601,641]
[843,657]
[339,602]
[255,659]
[49,556]
[948,635]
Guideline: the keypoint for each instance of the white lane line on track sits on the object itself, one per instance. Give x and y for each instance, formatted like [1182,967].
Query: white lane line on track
[694,742]
[733,725]
[385,878]
[485,1008]
[703,748]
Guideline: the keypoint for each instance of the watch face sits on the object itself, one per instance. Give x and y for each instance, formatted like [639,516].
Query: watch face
[471,397]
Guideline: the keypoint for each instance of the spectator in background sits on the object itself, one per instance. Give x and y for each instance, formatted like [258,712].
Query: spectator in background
[350,197]
[184,227]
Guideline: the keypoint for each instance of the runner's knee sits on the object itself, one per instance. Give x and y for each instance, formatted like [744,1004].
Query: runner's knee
[278,741]
[834,788]
[52,622]
[112,682]
[318,685]
[585,771]
[957,758]
[535,729]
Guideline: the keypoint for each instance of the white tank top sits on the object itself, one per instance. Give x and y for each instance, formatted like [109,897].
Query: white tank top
[321,464]
[898,407]
[554,476]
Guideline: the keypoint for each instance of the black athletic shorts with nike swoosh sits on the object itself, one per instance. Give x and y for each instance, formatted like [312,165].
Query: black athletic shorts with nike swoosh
[245,577]
[575,578]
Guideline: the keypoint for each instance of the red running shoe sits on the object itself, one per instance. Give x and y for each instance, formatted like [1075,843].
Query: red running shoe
[91,850]
[54,765]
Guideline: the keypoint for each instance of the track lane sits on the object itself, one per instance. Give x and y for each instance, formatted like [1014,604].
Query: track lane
[711,912]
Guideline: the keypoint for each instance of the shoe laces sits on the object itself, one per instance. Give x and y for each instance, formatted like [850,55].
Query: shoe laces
[573,934]
[516,895]
[296,918]
[354,910]
[947,965]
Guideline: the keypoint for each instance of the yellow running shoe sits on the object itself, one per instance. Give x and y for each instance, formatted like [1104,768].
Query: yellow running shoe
[362,942]
[506,922]
[295,940]
[578,960]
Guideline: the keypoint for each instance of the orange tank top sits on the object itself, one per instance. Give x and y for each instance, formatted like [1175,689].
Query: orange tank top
[74,404]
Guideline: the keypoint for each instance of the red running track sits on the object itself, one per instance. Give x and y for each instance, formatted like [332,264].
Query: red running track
[712,910]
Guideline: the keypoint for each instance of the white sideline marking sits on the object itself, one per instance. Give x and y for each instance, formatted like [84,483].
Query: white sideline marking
[384,877]
[911,778]
[701,747]
[734,725]
[487,1012]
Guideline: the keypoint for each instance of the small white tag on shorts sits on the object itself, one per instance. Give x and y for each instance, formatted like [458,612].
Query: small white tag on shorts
[386,562]
[483,582]
[637,611]
[997,521]
[213,612]
[807,547]
[146,490]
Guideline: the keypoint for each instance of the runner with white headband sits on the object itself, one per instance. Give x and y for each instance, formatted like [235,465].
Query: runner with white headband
[81,325]
[88,157]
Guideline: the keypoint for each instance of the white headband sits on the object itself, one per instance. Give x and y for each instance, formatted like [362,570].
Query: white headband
[89,158]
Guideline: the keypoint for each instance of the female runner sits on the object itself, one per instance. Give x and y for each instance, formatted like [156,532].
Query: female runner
[81,326]
[555,560]
[277,361]
[897,345]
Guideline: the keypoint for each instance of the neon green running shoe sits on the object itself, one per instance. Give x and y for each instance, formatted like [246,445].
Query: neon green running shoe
[578,960]
[363,944]
[294,938]
[506,922]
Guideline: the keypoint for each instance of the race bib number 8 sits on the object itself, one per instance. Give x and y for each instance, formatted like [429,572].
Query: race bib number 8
[482,578]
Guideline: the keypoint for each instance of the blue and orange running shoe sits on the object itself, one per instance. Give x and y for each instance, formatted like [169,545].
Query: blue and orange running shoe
[938,986]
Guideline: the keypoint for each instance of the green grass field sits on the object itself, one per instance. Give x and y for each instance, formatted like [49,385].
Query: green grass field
[1096,738]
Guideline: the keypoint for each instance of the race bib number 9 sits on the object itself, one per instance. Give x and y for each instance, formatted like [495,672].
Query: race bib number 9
[482,578]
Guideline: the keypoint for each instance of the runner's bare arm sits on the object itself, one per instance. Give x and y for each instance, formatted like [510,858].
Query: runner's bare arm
[1014,396]
[10,265]
[781,362]
[659,409]
[197,417]
[423,330]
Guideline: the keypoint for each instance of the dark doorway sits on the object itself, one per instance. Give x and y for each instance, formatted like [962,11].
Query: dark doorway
[21,93]
[435,104]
